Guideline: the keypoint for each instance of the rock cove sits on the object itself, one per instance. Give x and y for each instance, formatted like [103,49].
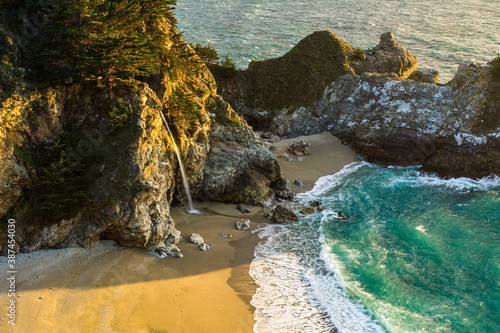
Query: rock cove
[79,163]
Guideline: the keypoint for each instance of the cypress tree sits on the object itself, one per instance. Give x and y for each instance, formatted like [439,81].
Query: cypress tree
[104,40]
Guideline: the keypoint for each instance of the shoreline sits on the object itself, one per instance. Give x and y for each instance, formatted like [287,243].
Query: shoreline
[111,288]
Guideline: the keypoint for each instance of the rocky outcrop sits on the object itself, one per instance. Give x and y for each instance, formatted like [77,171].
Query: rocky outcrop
[409,123]
[238,168]
[298,78]
[282,214]
[79,163]
[388,57]
[389,116]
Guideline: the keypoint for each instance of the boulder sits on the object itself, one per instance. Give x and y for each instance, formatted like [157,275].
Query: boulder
[282,189]
[205,247]
[299,147]
[243,224]
[242,208]
[308,210]
[282,214]
[297,182]
[196,239]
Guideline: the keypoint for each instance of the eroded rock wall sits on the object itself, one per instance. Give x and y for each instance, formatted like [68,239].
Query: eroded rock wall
[79,163]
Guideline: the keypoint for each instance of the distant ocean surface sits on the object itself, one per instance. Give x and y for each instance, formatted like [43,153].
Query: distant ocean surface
[417,253]
[441,34]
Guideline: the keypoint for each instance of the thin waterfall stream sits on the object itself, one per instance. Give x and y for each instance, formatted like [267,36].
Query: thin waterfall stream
[183,171]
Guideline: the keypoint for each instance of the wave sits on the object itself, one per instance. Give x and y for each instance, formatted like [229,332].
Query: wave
[297,292]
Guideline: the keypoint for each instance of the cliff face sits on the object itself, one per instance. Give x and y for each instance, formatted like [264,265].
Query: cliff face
[80,162]
[390,119]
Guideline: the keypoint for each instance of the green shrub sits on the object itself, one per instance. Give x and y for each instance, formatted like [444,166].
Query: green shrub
[357,55]
[59,188]
[93,40]
[118,114]
[207,53]
[183,108]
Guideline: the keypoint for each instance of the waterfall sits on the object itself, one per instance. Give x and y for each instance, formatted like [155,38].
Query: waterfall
[183,171]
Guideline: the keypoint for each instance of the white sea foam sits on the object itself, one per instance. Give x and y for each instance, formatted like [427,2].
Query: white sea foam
[459,184]
[326,183]
[300,287]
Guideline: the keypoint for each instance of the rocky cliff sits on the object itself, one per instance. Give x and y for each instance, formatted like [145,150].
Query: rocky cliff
[375,104]
[82,161]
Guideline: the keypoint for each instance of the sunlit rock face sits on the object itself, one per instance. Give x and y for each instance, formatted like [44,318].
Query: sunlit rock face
[79,163]
[386,114]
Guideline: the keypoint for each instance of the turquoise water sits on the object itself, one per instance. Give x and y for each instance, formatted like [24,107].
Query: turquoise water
[422,254]
[441,34]
[416,254]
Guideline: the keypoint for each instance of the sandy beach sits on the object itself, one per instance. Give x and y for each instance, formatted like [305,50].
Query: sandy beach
[110,288]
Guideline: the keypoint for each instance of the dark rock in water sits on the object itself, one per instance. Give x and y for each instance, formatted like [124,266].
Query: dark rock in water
[242,208]
[299,147]
[308,210]
[320,208]
[281,214]
[297,183]
[282,189]
[315,203]
[243,224]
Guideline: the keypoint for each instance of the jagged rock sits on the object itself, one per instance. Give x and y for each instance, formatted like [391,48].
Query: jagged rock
[159,251]
[238,169]
[282,189]
[315,203]
[174,237]
[308,210]
[228,236]
[425,76]
[205,247]
[281,214]
[386,58]
[297,182]
[163,250]
[242,208]
[243,224]
[299,147]
[196,239]
[410,123]
[293,80]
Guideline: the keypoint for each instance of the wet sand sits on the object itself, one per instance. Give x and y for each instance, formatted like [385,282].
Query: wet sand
[114,289]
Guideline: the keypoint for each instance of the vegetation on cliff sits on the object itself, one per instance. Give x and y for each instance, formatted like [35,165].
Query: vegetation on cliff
[75,40]
[296,79]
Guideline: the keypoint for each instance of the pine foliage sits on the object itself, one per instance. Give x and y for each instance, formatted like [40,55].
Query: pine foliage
[101,40]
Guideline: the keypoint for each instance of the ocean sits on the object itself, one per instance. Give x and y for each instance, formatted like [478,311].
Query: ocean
[440,34]
[416,253]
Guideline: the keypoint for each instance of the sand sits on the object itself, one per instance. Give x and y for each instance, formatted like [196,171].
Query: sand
[114,289]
